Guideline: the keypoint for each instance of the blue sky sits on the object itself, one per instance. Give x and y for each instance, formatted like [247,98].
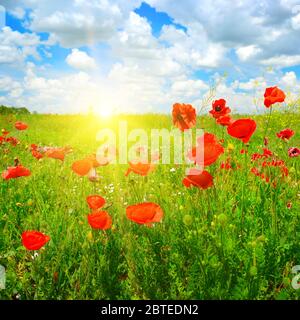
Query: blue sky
[157,19]
[134,56]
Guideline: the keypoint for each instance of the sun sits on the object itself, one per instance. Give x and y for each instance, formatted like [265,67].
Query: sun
[104,113]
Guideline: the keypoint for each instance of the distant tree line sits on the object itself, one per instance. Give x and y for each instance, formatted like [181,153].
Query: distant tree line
[13,110]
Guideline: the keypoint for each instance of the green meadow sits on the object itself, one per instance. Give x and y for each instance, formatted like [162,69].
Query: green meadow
[235,240]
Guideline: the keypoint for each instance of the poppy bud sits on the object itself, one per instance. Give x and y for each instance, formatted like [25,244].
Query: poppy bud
[187,220]
[261,238]
[55,276]
[90,236]
[222,218]
[230,147]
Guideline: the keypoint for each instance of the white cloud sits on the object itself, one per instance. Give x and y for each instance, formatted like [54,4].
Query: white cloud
[128,89]
[282,61]
[18,12]
[78,23]
[171,34]
[296,22]
[7,84]
[136,90]
[13,89]
[193,48]
[15,47]
[257,30]
[80,60]
[289,80]
[144,72]
[62,94]
[252,84]
[247,52]
[135,40]
[189,87]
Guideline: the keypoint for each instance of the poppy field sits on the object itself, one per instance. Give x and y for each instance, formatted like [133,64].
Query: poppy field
[72,227]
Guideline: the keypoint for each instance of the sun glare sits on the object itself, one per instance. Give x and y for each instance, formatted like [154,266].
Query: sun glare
[105,113]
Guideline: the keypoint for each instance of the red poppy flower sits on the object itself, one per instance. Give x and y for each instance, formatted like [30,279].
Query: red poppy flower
[263,176]
[184,116]
[256,156]
[12,140]
[100,220]
[273,95]
[145,213]
[87,166]
[34,240]
[284,171]
[4,132]
[255,171]
[15,172]
[37,154]
[199,179]
[285,134]
[207,151]
[33,147]
[224,120]
[95,202]
[273,163]
[21,125]
[219,108]
[82,167]
[229,165]
[294,152]
[266,154]
[57,153]
[142,169]
[36,151]
[242,129]
[268,175]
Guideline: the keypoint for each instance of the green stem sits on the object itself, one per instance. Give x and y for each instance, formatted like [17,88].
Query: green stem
[268,122]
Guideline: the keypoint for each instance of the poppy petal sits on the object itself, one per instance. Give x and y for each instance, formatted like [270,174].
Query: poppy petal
[95,201]
[34,240]
[100,220]
[82,167]
[145,213]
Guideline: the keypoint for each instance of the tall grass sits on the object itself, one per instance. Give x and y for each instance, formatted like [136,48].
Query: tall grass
[237,240]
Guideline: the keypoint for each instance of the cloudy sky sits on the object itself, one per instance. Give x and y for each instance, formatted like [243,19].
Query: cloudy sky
[134,56]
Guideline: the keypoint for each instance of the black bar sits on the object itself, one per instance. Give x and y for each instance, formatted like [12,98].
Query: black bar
[133,309]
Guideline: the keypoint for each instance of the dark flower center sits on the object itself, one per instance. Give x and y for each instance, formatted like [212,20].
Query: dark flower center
[218,108]
[179,117]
